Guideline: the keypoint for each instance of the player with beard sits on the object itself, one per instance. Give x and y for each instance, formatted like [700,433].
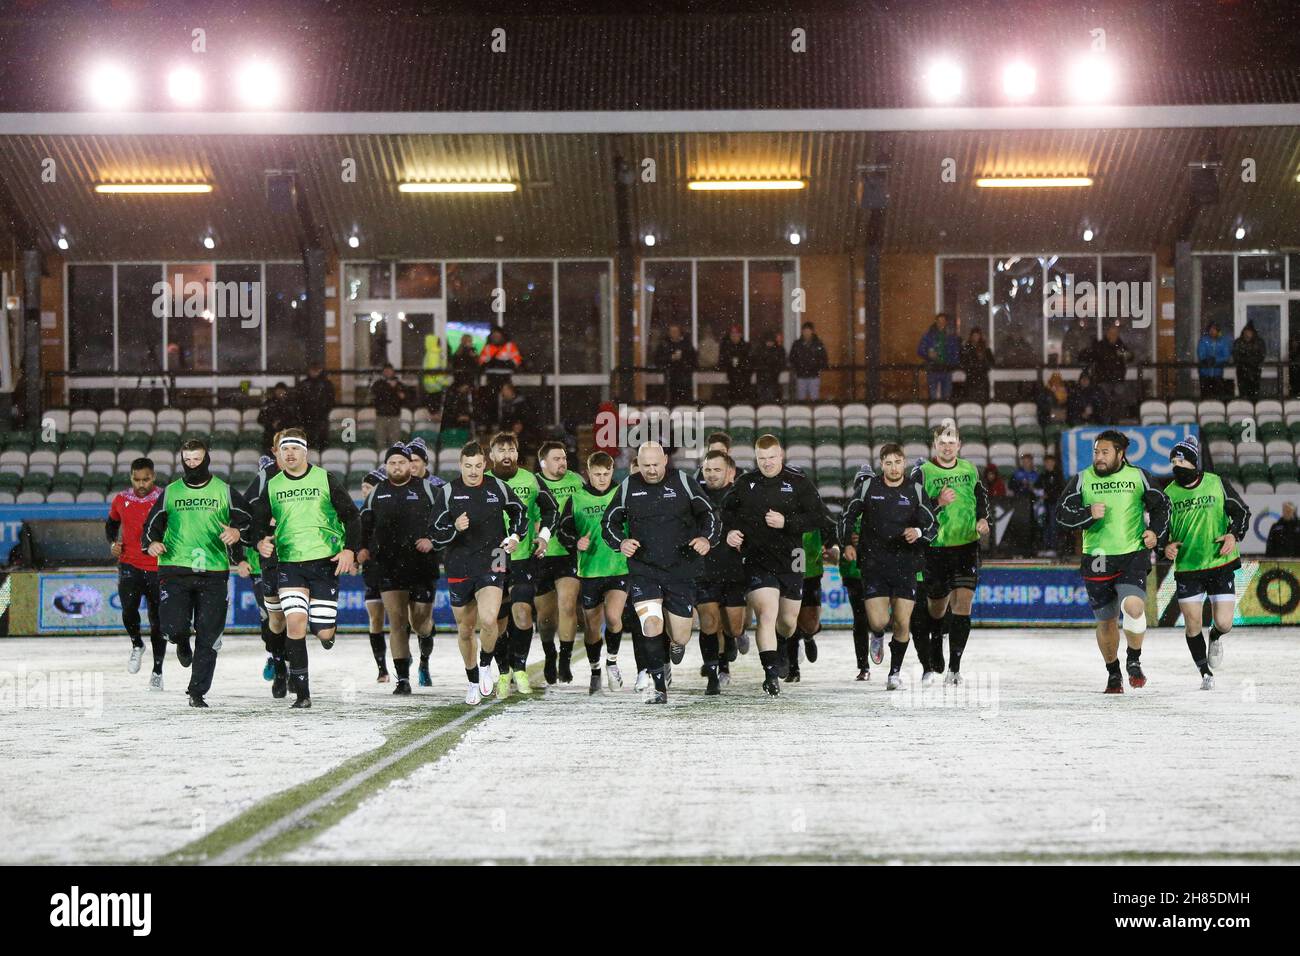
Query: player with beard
[137,570]
[1206,520]
[663,524]
[194,530]
[767,513]
[372,577]
[952,562]
[739,644]
[601,570]
[1109,502]
[469,517]
[393,528]
[556,594]
[309,520]
[420,605]
[895,526]
[517,611]
[720,586]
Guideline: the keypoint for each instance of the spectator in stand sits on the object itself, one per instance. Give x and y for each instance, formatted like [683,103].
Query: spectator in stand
[1284,536]
[1078,338]
[1014,350]
[734,358]
[1248,355]
[315,397]
[388,395]
[676,357]
[1049,484]
[464,363]
[1086,404]
[807,362]
[1213,352]
[976,360]
[279,412]
[1025,478]
[458,410]
[1109,359]
[499,360]
[769,363]
[940,351]
[1052,400]
[993,482]
[515,414]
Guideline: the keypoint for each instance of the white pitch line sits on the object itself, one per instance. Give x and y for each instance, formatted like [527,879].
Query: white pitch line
[242,849]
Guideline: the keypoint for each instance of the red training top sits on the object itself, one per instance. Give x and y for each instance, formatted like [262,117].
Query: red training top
[131,512]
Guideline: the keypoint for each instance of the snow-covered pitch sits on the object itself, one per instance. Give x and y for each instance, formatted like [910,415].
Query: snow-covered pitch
[1030,761]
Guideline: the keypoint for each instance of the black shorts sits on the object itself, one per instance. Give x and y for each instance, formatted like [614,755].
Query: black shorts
[853,587]
[888,579]
[677,595]
[790,585]
[1128,578]
[812,592]
[552,568]
[462,590]
[725,593]
[593,590]
[372,573]
[947,569]
[317,577]
[522,579]
[1219,583]
[413,573]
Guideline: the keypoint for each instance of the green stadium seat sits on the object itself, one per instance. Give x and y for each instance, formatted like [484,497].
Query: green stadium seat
[79,441]
[366,438]
[10,481]
[224,441]
[856,434]
[1271,431]
[356,476]
[1026,433]
[805,435]
[430,436]
[1217,431]
[1283,472]
[1052,432]
[829,474]
[999,434]
[742,435]
[1254,471]
[916,433]
[452,438]
[1228,471]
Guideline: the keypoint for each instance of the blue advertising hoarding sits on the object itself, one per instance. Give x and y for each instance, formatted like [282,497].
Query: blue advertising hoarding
[1149,446]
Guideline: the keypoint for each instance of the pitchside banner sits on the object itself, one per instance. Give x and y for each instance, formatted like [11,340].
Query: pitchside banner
[13,516]
[1268,592]
[1149,445]
[1264,510]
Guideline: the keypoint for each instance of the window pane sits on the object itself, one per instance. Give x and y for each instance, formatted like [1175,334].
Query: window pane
[189,337]
[139,331]
[90,311]
[1071,307]
[239,317]
[286,318]
[469,294]
[416,328]
[1260,273]
[1017,311]
[965,295]
[1128,299]
[1212,292]
[530,316]
[667,301]
[720,291]
[419,280]
[368,280]
[585,309]
[771,296]
[1295,271]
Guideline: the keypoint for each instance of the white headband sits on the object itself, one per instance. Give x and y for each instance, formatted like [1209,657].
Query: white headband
[292,441]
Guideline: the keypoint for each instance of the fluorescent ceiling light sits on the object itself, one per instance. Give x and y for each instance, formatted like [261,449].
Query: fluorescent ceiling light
[1034,182]
[458,187]
[153,188]
[741,184]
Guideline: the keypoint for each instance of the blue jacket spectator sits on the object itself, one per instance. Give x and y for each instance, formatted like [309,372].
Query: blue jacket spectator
[940,351]
[1214,351]
[1024,480]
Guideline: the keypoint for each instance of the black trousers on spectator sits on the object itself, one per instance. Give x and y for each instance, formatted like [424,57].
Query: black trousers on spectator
[197,601]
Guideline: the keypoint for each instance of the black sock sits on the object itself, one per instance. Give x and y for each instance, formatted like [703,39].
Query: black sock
[377,648]
[593,656]
[501,652]
[935,663]
[613,640]
[471,674]
[862,650]
[1215,633]
[1196,644]
[426,647]
[520,645]
[159,644]
[920,628]
[548,646]
[792,650]
[709,648]
[1133,655]
[295,653]
[654,658]
[566,650]
[1112,668]
[897,651]
[638,651]
[275,644]
[957,640]
[768,660]
[403,667]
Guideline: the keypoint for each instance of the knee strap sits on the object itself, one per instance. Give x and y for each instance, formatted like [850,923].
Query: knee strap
[650,609]
[1134,625]
[322,615]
